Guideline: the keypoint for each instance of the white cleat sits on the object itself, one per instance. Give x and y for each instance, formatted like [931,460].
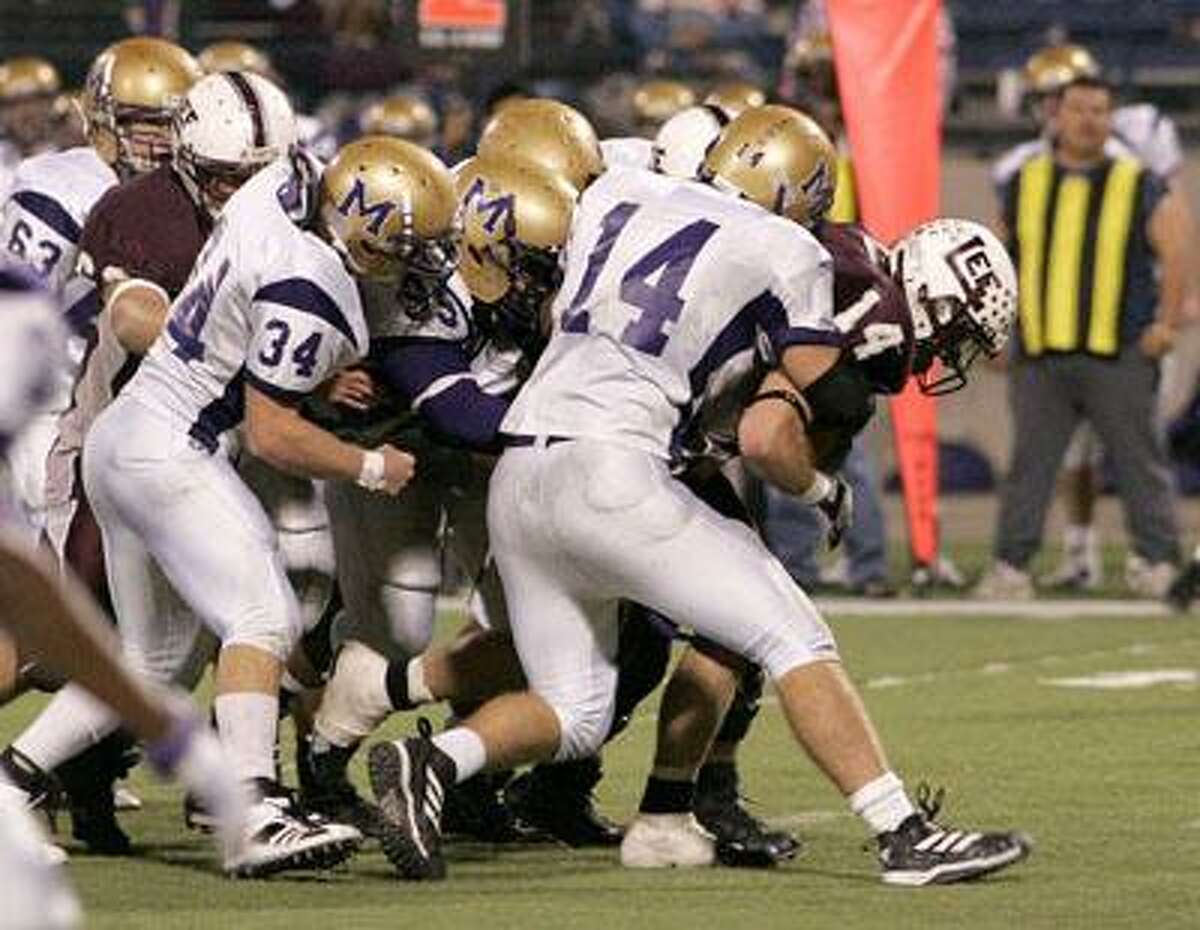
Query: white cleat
[126,800]
[281,837]
[662,841]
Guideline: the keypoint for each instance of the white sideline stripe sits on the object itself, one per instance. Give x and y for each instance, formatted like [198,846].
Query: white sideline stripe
[1081,608]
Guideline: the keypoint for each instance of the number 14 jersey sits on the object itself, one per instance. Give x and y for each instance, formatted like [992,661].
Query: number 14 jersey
[668,286]
[268,304]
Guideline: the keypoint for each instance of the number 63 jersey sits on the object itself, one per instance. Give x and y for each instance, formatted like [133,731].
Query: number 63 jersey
[268,304]
[668,286]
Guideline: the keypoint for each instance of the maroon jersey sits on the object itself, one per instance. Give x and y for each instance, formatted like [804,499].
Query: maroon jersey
[148,228]
[869,308]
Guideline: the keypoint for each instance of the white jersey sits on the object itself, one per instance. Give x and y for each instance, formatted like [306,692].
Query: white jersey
[42,219]
[667,286]
[1151,136]
[628,152]
[32,352]
[268,304]
[10,157]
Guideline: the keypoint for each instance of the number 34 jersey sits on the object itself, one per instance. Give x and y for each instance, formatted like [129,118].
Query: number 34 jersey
[668,286]
[268,304]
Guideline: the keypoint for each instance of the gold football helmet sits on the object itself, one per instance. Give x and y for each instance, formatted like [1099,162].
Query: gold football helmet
[516,218]
[1053,68]
[28,86]
[780,159]
[389,208]
[655,102]
[129,96]
[546,133]
[733,97]
[27,76]
[403,116]
[232,55]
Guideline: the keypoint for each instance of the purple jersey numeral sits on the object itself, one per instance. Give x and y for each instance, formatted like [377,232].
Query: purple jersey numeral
[191,313]
[575,321]
[660,303]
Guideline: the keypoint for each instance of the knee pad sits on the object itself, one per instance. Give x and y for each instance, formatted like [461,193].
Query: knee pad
[308,558]
[583,726]
[267,631]
[409,615]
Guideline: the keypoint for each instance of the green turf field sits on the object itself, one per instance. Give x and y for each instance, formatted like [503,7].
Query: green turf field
[1106,780]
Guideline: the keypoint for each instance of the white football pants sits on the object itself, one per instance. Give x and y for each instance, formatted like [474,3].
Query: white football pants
[578,526]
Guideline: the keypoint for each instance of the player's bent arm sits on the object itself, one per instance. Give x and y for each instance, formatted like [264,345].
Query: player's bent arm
[53,616]
[773,439]
[137,309]
[281,437]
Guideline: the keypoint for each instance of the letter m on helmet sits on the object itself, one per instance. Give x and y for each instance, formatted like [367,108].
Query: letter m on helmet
[357,200]
[498,209]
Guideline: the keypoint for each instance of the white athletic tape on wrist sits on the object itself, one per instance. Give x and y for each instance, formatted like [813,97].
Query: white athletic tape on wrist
[370,475]
[821,487]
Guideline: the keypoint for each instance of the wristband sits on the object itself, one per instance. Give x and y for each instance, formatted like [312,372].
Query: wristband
[821,488]
[796,402]
[370,476]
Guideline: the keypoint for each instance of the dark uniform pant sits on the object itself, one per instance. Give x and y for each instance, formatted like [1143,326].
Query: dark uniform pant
[1048,397]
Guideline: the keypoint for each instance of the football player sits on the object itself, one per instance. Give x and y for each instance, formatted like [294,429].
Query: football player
[29,88]
[269,312]
[54,617]
[404,116]
[448,370]
[583,510]
[227,128]
[235,55]
[131,88]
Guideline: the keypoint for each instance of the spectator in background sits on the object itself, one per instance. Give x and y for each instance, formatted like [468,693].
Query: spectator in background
[1142,131]
[702,36]
[1101,254]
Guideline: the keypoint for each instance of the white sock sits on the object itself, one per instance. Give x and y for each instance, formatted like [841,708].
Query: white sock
[418,690]
[356,698]
[247,722]
[463,745]
[70,723]
[883,803]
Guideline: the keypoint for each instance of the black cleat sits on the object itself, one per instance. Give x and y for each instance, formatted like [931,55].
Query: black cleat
[1185,588]
[921,852]
[743,840]
[325,787]
[476,809]
[410,779]
[556,799]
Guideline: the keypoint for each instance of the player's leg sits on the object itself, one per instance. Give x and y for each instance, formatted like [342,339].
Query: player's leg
[748,604]
[1080,566]
[1044,402]
[1121,404]
[216,547]
[567,641]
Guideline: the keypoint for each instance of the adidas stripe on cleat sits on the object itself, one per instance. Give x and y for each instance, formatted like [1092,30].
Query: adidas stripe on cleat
[920,852]
[410,779]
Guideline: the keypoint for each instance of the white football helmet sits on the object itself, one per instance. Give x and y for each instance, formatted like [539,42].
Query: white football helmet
[961,288]
[227,127]
[684,140]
